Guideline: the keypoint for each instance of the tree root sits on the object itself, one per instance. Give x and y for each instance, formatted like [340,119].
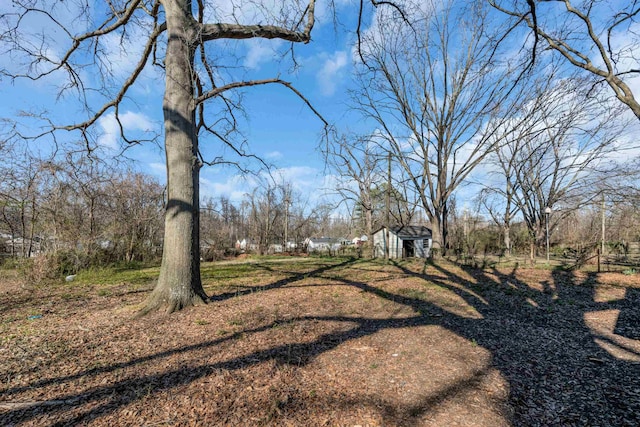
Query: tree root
[170,304]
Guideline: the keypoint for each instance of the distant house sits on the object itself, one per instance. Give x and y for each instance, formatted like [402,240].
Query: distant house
[247,245]
[404,242]
[278,248]
[322,244]
[292,245]
[19,246]
[275,248]
[346,242]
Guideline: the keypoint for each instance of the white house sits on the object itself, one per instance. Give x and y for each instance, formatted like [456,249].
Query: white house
[404,242]
[275,248]
[322,244]
[246,244]
[19,245]
[292,245]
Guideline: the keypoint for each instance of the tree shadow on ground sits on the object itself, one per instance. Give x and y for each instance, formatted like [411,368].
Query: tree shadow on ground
[293,276]
[539,339]
[541,342]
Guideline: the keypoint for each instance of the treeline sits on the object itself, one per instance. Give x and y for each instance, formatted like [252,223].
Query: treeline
[612,228]
[447,109]
[81,212]
[273,217]
[84,212]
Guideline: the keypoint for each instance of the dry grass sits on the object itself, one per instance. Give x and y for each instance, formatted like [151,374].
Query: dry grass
[334,342]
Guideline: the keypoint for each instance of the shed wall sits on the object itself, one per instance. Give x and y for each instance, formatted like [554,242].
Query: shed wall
[395,247]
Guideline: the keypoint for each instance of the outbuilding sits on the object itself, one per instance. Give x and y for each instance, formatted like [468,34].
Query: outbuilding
[406,241]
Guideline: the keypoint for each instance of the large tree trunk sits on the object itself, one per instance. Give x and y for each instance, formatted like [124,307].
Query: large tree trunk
[179,284]
[507,239]
[436,236]
[444,227]
[368,215]
[536,236]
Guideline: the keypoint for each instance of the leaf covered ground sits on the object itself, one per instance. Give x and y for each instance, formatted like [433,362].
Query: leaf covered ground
[318,341]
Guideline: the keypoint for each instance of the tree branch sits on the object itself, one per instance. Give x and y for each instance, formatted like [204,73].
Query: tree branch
[217,31]
[235,85]
[126,85]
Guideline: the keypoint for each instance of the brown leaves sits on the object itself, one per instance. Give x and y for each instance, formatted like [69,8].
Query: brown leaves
[356,343]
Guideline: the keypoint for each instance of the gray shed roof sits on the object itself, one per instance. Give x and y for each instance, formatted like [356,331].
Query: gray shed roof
[410,231]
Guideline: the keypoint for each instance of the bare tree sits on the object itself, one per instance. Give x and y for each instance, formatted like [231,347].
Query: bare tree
[221,226]
[599,37]
[47,38]
[99,212]
[357,162]
[556,153]
[266,214]
[437,88]
[303,219]
[499,204]
[173,35]
[500,184]
[76,208]
[88,180]
[21,178]
[134,224]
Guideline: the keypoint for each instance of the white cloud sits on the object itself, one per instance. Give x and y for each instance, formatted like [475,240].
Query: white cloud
[130,121]
[250,12]
[234,187]
[121,54]
[273,155]
[310,183]
[384,21]
[39,41]
[260,51]
[305,180]
[624,45]
[302,178]
[626,148]
[159,169]
[272,12]
[331,72]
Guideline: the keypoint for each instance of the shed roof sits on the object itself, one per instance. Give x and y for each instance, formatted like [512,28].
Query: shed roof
[410,231]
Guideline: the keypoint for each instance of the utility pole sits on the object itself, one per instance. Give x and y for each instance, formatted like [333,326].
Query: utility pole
[286,222]
[603,225]
[547,212]
[388,206]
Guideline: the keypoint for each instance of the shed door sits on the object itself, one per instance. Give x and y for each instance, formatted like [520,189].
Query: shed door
[408,249]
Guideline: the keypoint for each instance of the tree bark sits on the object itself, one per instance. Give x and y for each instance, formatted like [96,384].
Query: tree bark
[444,226]
[507,239]
[368,214]
[532,252]
[179,284]
[436,236]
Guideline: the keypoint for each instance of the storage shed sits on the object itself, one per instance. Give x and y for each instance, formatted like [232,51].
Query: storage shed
[404,242]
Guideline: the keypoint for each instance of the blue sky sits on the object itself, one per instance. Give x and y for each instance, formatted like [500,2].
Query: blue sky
[278,127]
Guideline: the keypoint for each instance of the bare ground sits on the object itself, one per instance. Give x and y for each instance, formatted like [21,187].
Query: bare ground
[328,342]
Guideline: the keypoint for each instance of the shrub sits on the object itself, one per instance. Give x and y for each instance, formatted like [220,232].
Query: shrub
[212,254]
[49,267]
[39,270]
